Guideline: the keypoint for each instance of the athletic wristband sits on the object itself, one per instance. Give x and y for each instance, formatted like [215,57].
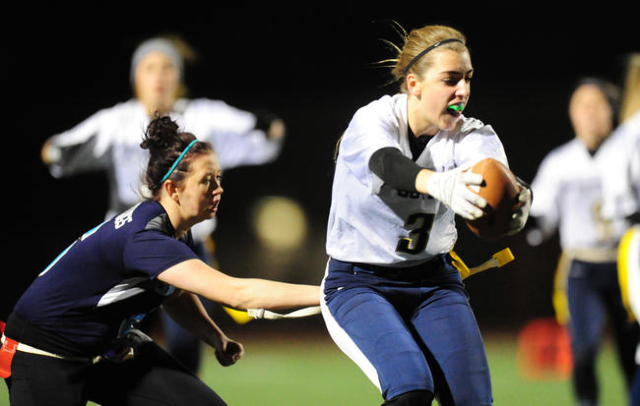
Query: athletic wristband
[395,169]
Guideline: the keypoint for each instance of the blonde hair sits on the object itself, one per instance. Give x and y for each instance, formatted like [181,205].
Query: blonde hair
[631,96]
[188,54]
[416,42]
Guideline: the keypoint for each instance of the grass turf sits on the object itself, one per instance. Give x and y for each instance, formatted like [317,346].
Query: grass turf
[300,371]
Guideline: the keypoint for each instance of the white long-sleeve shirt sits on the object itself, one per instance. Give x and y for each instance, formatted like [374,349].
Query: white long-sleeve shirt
[569,195]
[370,222]
[109,140]
[620,158]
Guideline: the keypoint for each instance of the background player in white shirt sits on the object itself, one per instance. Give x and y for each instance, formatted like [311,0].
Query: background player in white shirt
[621,183]
[109,141]
[392,301]
[570,193]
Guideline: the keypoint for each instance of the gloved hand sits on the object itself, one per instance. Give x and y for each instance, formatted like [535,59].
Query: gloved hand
[450,188]
[520,216]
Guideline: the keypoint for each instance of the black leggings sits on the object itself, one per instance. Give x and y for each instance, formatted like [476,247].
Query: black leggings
[152,378]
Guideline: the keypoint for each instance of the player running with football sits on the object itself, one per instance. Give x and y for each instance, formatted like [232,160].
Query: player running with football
[72,336]
[392,301]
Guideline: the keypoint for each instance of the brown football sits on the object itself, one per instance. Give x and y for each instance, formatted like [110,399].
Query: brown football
[500,189]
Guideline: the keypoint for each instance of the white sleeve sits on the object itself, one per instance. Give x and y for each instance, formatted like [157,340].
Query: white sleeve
[251,148]
[367,133]
[79,149]
[619,160]
[545,188]
[634,168]
[478,141]
[632,163]
[232,133]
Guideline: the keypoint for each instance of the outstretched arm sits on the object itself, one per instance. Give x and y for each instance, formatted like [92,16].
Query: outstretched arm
[78,149]
[240,293]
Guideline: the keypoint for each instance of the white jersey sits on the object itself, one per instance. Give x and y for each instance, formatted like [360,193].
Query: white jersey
[369,222]
[110,140]
[568,196]
[620,166]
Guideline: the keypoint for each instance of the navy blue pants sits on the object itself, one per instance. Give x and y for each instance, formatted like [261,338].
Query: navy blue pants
[593,294]
[408,331]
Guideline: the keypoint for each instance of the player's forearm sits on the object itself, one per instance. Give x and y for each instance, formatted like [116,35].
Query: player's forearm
[421,181]
[187,310]
[240,293]
[266,294]
[395,169]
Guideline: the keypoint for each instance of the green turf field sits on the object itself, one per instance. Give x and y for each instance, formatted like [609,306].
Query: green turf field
[297,371]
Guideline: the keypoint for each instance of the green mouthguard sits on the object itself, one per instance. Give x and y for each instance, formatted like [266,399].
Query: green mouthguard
[456,107]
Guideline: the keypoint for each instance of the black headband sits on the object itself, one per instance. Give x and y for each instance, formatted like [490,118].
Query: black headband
[421,54]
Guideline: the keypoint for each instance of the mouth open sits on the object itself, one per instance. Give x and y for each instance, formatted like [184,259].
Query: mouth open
[455,109]
[214,207]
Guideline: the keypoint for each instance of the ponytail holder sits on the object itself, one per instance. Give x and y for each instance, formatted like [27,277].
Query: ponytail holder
[173,167]
[421,54]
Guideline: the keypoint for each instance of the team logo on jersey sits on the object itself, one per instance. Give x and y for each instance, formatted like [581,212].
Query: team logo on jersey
[125,217]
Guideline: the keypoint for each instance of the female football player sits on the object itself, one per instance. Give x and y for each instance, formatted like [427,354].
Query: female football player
[108,141]
[572,186]
[392,301]
[72,335]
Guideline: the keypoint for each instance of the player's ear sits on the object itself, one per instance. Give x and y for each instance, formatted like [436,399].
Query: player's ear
[171,189]
[414,85]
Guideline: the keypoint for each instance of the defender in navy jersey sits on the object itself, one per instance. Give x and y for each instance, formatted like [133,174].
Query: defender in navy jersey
[72,336]
[108,141]
[114,269]
[392,301]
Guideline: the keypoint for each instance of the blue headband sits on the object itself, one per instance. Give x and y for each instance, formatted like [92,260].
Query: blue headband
[173,167]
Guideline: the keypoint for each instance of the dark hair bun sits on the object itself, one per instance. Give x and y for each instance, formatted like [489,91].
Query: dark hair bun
[161,134]
[167,144]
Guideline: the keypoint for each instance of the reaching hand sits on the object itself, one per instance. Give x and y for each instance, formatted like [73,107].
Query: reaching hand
[230,352]
[451,189]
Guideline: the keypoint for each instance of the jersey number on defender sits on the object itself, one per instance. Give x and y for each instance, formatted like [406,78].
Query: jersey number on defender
[420,226]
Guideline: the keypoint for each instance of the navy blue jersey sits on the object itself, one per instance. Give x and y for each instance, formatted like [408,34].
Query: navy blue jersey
[105,277]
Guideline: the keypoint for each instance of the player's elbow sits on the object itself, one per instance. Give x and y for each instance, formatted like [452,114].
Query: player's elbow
[234,292]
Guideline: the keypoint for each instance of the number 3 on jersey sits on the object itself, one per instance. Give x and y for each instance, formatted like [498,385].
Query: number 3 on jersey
[420,225]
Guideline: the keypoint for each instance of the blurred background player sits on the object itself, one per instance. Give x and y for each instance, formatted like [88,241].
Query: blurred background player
[622,152]
[392,301]
[621,182]
[108,141]
[569,196]
[73,337]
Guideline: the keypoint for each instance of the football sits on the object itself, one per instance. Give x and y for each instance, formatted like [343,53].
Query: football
[500,189]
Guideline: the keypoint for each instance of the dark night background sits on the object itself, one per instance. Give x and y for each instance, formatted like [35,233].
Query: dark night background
[313,67]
